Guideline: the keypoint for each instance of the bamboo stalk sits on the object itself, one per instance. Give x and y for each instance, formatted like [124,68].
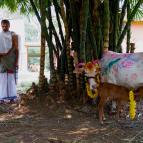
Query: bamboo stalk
[92,40]
[129,28]
[115,21]
[106,22]
[75,25]
[132,14]
[35,10]
[58,11]
[83,29]
[67,40]
[42,53]
[123,12]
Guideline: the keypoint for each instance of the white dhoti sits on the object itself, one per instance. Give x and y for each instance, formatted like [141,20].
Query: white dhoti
[7,86]
[7,66]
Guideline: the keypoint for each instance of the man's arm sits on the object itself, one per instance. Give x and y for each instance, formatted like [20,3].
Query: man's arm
[15,45]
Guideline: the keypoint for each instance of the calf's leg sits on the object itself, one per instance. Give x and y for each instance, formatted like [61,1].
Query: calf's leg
[101,110]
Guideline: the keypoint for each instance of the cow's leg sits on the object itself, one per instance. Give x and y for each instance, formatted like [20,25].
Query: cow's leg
[103,115]
[114,106]
[118,109]
[101,109]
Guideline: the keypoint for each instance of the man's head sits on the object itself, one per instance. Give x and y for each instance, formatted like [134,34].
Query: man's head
[5,24]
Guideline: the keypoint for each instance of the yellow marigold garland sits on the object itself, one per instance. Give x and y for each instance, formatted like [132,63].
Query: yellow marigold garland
[89,65]
[89,91]
[132,105]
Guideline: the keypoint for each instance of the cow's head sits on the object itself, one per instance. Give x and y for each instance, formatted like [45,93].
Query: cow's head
[91,70]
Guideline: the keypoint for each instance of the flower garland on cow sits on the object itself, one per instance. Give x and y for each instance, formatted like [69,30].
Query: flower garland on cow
[89,91]
[132,108]
[92,78]
[90,70]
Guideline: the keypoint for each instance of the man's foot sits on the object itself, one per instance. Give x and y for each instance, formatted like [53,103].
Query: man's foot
[1,101]
[11,101]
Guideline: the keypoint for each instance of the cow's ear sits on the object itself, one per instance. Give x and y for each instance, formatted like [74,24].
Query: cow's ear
[78,71]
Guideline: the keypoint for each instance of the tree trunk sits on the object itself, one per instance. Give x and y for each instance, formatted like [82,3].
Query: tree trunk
[106,25]
[42,53]
[84,19]
[75,14]
[53,76]
[129,29]
[116,24]
[132,14]
[122,15]
[67,41]
[62,60]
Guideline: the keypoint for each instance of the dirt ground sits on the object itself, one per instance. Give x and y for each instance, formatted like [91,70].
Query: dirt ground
[61,123]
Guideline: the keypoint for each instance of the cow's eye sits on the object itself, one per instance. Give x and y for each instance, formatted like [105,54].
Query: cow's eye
[80,66]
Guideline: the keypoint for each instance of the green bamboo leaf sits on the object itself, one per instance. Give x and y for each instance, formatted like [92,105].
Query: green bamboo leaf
[139,12]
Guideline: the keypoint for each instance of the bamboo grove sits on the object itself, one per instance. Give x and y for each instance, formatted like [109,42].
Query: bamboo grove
[86,27]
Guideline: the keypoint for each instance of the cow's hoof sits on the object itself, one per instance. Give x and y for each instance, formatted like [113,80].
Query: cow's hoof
[101,122]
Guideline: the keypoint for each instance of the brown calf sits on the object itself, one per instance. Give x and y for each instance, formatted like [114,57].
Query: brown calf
[109,92]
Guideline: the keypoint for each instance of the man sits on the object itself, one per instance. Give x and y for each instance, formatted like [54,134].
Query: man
[8,62]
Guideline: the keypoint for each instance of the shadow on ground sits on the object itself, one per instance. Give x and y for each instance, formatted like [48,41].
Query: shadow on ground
[40,122]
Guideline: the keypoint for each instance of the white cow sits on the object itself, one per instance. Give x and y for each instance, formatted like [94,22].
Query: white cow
[117,68]
[122,69]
